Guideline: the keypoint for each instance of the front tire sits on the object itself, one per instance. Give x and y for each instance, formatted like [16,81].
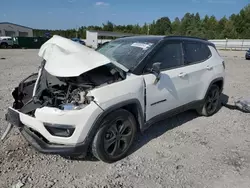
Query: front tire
[4,45]
[115,136]
[211,103]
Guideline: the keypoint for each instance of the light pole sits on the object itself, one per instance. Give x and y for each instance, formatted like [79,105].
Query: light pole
[77,28]
[148,29]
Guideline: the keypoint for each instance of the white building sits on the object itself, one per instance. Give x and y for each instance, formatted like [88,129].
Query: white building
[15,30]
[92,37]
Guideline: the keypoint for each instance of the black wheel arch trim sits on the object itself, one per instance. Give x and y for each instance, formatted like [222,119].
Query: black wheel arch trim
[97,123]
[212,83]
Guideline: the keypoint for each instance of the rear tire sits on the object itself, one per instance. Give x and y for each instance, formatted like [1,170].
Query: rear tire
[115,136]
[212,102]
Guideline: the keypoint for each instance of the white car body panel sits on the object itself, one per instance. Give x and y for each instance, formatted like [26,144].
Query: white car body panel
[130,88]
[82,120]
[66,58]
[170,87]
[217,71]
[181,86]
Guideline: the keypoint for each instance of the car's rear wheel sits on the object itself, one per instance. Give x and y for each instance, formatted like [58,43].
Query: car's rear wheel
[115,136]
[4,45]
[211,103]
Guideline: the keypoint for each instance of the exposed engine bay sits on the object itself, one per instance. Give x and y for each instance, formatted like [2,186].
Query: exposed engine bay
[66,93]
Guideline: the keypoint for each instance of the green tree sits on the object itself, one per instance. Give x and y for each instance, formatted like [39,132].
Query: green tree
[220,27]
[152,28]
[229,30]
[109,26]
[144,29]
[242,22]
[212,25]
[163,26]
[185,24]
[176,26]
[236,26]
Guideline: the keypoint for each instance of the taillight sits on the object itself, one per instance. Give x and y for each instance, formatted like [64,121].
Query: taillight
[223,63]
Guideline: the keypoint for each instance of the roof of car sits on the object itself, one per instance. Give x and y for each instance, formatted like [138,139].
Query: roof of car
[157,38]
[5,37]
[143,38]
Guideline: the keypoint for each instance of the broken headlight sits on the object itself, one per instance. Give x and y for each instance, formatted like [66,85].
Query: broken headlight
[79,96]
[71,106]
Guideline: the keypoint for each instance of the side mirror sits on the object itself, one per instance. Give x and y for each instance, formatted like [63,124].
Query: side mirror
[156,70]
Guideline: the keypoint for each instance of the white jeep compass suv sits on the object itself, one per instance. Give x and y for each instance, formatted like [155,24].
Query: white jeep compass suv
[96,100]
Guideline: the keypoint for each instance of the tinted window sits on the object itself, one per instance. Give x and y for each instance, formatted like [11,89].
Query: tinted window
[195,52]
[170,55]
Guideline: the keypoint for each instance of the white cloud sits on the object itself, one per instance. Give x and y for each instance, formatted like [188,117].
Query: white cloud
[215,1]
[81,12]
[100,3]
[71,1]
[222,1]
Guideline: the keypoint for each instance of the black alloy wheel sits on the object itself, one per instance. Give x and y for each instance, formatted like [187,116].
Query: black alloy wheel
[118,137]
[212,102]
[115,137]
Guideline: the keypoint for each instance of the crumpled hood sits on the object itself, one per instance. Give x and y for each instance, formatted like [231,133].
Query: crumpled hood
[66,58]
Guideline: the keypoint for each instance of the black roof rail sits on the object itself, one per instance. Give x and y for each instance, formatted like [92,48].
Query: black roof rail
[182,36]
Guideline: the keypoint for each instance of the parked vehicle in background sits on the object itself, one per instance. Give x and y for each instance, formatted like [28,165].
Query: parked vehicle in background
[29,42]
[78,40]
[102,44]
[84,100]
[6,42]
[247,56]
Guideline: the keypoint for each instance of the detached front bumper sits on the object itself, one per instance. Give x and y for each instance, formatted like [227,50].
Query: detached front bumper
[34,131]
[39,142]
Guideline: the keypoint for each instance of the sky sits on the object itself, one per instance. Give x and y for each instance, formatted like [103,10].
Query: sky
[65,14]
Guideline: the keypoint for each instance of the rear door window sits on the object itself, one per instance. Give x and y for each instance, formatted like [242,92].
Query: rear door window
[195,52]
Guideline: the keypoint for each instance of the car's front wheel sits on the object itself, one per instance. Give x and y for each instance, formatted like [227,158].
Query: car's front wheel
[115,136]
[212,102]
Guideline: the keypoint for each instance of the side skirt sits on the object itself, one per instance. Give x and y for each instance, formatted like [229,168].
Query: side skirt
[190,106]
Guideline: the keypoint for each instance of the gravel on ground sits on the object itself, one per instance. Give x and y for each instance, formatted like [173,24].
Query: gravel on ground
[183,151]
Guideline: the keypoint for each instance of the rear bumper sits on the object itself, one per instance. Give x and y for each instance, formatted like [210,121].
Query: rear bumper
[40,143]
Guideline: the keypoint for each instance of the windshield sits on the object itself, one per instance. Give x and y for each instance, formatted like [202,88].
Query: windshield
[129,53]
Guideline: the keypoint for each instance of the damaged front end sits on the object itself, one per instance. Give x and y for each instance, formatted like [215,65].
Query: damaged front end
[65,93]
[54,108]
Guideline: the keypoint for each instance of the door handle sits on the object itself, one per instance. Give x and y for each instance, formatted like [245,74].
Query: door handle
[182,74]
[209,67]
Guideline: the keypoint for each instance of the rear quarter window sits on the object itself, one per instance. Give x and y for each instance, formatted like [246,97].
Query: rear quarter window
[195,52]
